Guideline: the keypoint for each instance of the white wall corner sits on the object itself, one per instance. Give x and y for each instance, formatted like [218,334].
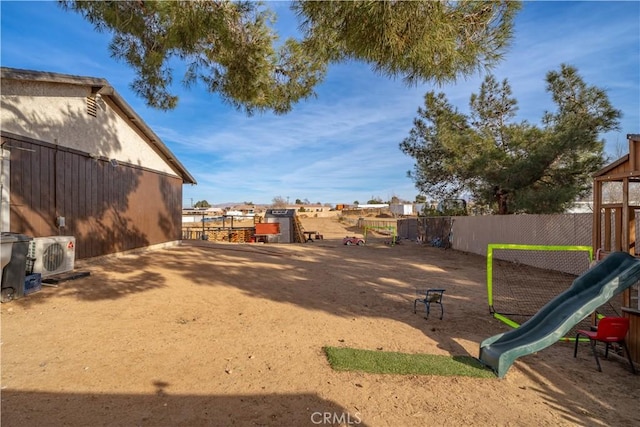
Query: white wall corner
[5,193]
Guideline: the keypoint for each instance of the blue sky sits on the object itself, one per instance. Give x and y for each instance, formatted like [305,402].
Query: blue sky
[341,146]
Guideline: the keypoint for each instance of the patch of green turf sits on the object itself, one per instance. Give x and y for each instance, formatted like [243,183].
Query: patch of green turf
[385,362]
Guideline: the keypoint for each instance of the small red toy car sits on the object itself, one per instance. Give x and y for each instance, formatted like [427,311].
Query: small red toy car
[353,241]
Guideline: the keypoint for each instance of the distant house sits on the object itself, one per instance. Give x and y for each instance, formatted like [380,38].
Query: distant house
[72,148]
[581,207]
[372,206]
[215,211]
[310,208]
[402,209]
[242,210]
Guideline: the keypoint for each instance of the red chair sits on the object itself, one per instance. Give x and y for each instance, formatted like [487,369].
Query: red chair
[610,330]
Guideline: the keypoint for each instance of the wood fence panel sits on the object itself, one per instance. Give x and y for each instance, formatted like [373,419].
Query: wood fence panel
[108,209]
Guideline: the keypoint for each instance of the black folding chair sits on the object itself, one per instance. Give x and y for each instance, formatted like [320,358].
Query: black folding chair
[428,297]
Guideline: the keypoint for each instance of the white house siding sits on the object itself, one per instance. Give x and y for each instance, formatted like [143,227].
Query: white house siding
[57,113]
[401,209]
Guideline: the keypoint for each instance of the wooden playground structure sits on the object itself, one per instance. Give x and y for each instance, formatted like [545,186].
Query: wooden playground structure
[616,200]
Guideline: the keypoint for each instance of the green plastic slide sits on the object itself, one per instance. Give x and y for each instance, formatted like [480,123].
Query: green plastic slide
[595,287]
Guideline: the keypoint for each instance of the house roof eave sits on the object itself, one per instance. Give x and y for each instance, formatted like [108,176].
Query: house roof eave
[611,166]
[102,86]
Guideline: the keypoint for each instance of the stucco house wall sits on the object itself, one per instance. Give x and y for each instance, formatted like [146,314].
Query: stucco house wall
[57,113]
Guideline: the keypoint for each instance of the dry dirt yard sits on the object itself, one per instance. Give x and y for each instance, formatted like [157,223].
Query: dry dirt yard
[208,334]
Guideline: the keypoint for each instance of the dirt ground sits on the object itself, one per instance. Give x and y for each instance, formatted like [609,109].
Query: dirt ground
[207,334]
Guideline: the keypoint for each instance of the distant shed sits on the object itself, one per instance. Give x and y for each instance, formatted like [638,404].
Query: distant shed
[286,219]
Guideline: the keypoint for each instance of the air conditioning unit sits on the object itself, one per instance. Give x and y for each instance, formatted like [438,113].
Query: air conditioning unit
[52,255]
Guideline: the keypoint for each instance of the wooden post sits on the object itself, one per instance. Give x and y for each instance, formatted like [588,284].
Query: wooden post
[607,229]
[596,232]
[631,226]
[618,229]
[624,229]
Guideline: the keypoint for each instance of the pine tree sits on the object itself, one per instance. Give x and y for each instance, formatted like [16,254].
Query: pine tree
[512,167]
[232,48]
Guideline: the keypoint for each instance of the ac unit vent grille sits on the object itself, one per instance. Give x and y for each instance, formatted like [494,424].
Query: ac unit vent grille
[53,257]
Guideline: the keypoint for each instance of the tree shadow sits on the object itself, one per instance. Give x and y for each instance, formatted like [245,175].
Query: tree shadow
[165,409]
[596,393]
[100,288]
[368,287]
